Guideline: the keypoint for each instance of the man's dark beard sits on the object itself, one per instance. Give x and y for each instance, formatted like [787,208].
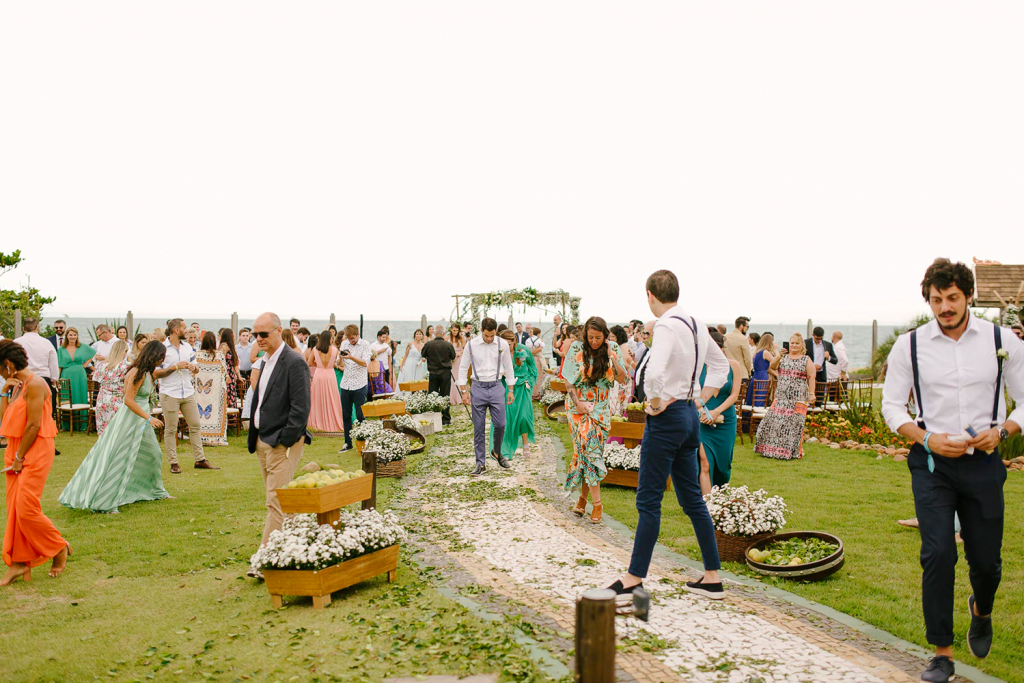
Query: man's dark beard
[955,325]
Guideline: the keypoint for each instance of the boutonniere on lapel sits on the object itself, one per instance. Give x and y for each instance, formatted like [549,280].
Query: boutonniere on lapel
[1003,354]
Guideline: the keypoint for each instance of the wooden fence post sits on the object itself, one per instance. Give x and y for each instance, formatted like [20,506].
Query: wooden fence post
[370,467]
[129,322]
[595,636]
[333,322]
[809,327]
[234,325]
[17,324]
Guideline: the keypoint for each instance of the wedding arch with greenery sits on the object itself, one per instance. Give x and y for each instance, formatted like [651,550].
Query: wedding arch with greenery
[474,307]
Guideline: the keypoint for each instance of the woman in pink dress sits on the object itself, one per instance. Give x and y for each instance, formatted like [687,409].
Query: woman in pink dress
[325,400]
[459,342]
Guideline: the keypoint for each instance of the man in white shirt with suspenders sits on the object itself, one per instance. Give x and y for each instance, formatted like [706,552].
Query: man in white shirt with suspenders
[489,358]
[681,348]
[955,367]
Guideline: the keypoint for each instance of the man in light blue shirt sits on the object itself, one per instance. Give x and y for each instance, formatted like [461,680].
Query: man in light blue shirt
[242,350]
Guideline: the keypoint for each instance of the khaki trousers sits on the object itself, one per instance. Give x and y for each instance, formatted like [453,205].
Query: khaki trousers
[277,465]
[187,407]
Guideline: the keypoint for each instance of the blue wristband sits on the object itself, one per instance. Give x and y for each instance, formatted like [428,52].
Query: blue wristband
[927,435]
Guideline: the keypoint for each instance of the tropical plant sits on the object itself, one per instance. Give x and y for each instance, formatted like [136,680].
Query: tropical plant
[114,324]
[27,299]
[882,352]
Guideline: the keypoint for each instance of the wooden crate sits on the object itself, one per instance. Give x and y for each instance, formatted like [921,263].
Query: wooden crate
[328,498]
[628,478]
[418,385]
[320,584]
[630,432]
[384,410]
[558,385]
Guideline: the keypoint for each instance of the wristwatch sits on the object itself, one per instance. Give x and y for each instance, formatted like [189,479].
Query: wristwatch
[1003,434]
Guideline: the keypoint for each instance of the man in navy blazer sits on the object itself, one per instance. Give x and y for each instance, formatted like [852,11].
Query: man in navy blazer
[280,411]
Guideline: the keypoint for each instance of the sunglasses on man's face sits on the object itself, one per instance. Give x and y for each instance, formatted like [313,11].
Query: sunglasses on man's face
[261,335]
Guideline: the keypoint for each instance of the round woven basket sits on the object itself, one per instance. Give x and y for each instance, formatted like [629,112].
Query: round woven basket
[731,548]
[636,416]
[395,470]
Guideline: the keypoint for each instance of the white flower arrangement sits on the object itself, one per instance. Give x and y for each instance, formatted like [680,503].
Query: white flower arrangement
[303,544]
[617,456]
[549,397]
[362,430]
[422,402]
[390,446]
[740,512]
[407,421]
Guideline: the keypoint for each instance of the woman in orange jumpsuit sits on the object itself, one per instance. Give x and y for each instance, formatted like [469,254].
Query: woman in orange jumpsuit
[26,419]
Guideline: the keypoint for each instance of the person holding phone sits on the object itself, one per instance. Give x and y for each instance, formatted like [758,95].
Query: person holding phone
[780,434]
[353,358]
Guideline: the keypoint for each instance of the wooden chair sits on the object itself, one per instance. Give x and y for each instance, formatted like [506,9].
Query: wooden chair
[835,397]
[376,373]
[94,392]
[740,399]
[820,392]
[758,406]
[75,412]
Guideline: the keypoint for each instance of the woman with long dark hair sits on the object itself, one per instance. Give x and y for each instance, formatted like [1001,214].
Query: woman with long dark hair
[124,465]
[457,338]
[26,419]
[590,369]
[324,396]
[227,349]
[212,392]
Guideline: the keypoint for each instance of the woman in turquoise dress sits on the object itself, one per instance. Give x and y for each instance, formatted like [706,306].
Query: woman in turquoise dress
[73,358]
[124,465]
[590,369]
[519,415]
[719,438]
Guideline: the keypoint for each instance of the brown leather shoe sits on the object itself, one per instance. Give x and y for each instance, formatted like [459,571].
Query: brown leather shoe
[581,507]
[175,469]
[205,465]
[595,515]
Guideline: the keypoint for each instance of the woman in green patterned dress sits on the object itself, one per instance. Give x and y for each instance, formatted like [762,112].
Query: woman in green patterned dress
[124,465]
[591,368]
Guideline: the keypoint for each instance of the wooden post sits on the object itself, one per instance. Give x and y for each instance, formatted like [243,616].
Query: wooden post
[17,324]
[234,325]
[595,636]
[809,326]
[129,322]
[370,467]
[423,323]
[874,346]
[360,324]
[333,322]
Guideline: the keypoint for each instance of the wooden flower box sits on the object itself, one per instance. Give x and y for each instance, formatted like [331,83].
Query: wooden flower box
[630,432]
[627,478]
[319,584]
[384,409]
[418,385]
[558,385]
[328,498]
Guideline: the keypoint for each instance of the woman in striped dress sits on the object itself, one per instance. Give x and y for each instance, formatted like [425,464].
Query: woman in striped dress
[124,465]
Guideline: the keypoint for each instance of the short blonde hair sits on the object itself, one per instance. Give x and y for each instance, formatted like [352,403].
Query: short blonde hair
[803,349]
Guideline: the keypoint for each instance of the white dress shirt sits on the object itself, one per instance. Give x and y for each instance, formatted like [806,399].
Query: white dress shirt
[534,342]
[957,378]
[842,363]
[670,362]
[42,357]
[355,376]
[178,384]
[383,352]
[819,353]
[266,371]
[487,361]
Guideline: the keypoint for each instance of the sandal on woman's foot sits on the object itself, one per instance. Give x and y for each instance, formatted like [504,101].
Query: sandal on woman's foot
[595,515]
[581,507]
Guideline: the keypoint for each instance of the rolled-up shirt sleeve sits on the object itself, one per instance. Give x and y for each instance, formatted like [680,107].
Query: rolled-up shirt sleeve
[899,382]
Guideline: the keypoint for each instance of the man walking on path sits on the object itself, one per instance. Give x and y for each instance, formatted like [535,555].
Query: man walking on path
[489,358]
[439,354]
[280,410]
[737,347]
[681,348]
[177,395]
[955,366]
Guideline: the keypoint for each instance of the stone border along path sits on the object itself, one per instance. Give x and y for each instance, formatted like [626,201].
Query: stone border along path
[508,538]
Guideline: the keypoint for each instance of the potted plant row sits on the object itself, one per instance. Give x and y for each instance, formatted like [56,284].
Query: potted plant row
[391,447]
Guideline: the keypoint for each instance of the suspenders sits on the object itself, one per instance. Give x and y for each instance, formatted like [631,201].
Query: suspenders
[998,334]
[476,378]
[692,326]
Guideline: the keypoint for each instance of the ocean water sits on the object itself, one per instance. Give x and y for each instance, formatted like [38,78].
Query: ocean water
[857,337]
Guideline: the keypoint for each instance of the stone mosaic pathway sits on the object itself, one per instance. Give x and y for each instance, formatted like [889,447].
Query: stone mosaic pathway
[512,533]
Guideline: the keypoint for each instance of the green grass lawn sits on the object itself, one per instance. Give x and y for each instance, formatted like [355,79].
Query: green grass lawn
[859,499]
[158,592]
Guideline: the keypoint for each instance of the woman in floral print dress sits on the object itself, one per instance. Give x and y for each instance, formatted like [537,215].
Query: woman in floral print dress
[111,378]
[591,368]
[780,434]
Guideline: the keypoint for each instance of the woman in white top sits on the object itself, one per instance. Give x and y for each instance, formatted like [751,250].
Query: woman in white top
[412,366]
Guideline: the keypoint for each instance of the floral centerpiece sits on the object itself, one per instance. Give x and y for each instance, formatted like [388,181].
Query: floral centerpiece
[743,517]
[362,430]
[407,421]
[423,402]
[617,456]
[390,446]
[551,397]
[301,543]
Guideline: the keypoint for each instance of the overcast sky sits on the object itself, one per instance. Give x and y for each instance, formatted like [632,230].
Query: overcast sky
[786,160]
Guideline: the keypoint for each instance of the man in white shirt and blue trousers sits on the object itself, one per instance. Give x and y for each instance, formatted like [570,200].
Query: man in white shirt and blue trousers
[956,366]
[489,358]
[681,348]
